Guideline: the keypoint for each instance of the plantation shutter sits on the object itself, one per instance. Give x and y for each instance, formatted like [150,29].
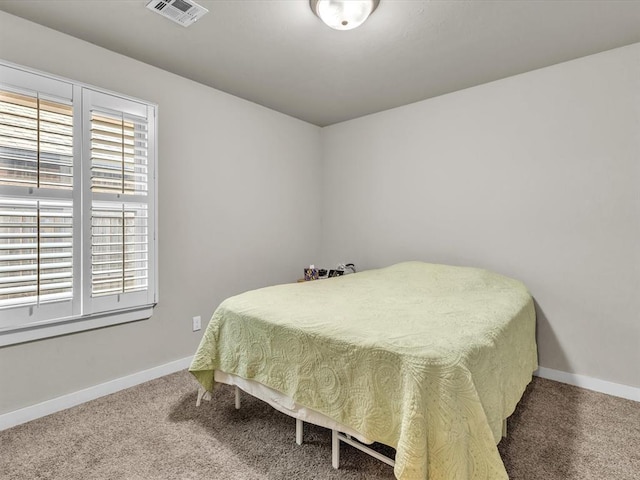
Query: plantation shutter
[77,206]
[119,154]
[36,205]
[36,251]
[120,235]
[119,248]
[36,141]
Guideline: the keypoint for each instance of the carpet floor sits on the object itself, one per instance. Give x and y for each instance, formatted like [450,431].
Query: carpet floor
[155,431]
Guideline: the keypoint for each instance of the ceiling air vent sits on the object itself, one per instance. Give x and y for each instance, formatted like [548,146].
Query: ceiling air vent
[184,12]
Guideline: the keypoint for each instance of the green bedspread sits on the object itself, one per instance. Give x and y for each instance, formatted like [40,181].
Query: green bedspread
[426,358]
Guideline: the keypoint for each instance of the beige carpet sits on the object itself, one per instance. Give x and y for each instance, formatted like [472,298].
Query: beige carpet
[154,431]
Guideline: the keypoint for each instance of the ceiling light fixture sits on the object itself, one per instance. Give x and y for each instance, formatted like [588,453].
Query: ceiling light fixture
[343,14]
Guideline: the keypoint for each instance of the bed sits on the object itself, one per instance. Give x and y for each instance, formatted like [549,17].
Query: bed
[428,359]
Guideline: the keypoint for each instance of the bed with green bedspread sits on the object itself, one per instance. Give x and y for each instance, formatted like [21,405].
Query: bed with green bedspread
[428,359]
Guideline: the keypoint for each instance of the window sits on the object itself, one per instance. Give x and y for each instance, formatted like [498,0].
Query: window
[77,207]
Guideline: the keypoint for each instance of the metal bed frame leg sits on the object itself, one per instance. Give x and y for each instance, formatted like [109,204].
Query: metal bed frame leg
[201,392]
[337,437]
[237,398]
[299,431]
[335,449]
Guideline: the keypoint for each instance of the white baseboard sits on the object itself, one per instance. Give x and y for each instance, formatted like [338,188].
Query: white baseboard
[602,386]
[32,412]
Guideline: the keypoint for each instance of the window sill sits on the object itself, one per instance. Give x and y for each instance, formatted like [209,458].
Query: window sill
[73,325]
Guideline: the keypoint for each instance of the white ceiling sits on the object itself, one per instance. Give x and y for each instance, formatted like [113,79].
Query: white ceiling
[278,54]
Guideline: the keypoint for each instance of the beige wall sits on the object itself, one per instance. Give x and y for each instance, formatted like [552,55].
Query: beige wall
[238,194]
[535,176]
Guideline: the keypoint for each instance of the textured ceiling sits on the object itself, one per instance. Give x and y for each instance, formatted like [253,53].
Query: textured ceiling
[278,54]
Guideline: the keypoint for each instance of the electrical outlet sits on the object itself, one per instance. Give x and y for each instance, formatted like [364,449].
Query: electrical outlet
[197,323]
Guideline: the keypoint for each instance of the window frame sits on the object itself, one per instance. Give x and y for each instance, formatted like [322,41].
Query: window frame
[85,312]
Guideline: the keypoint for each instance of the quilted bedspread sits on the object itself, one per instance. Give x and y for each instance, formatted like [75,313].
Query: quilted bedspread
[428,359]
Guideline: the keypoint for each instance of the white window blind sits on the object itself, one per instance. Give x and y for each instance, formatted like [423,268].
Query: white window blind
[118,154]
[36,251]
[121,195]
[36,233]
[119,231]
[119,248]
[77,206]
[36,141]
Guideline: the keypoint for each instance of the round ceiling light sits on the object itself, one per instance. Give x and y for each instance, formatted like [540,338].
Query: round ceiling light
[343,14]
